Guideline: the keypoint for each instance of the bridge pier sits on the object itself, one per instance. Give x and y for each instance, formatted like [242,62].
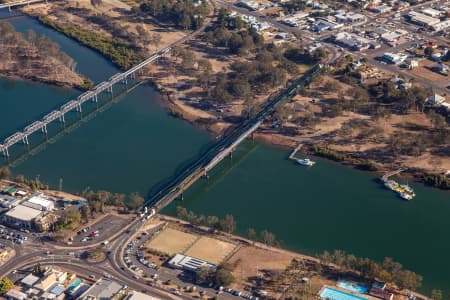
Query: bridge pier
[61,119]
[79,108]
[6,152]
[44,129]
[25,140]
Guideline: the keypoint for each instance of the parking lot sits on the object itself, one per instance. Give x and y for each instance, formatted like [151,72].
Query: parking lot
[100,231]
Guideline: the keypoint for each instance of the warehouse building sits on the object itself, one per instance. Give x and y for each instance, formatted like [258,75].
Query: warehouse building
[421,19]
[188,263]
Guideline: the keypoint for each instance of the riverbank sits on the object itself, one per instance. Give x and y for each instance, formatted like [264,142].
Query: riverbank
[37,58]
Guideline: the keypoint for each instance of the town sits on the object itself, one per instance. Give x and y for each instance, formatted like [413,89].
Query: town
[110,94]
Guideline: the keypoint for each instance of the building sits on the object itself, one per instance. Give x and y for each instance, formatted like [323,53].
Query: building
[350,17]
[351,41]
[441,26]
[323,24]
[22,216]
[381,9]
[394,58]
[431,12]
[30,280]
[250,4]
[411,63]
[39,202]
[188,263]
[421,19]
[15,295]
[104,289]
[296,19]
[435,99]
[139,296]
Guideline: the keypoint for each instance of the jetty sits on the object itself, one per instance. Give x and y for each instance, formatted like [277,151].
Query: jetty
[386,176]
[292,156]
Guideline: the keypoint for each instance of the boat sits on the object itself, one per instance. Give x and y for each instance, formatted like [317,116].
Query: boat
[406,196]
[408,189]
[306,162]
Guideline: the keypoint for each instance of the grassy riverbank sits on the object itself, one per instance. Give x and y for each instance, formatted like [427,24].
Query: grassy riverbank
[122,54]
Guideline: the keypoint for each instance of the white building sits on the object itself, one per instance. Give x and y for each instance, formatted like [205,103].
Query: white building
[421,19]
[431,12]
[394,58]
[22,216]
[39,202]
[350,17]
[435,99]
[441,26]
[351,41]
[184,262]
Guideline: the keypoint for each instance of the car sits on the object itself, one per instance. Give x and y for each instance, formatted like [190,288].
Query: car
[92,276]
[136,277]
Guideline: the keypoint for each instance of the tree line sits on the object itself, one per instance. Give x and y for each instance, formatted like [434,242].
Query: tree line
[389,270]
[185,14]
[227,224]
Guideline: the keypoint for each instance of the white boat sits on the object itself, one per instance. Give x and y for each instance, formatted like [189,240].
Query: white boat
[306,162]
[406,196]
[407,188]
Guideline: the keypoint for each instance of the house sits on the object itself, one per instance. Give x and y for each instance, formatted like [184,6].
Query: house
[435,100]
[104,289]
[393,58]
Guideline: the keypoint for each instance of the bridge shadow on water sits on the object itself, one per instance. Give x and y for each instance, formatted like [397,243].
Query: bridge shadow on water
[56,130]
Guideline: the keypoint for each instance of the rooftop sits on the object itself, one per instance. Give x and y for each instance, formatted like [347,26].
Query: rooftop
[102,289]
[23,213]
[139,296]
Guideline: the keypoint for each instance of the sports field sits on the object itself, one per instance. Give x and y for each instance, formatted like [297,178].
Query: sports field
[171,241]
[211,250]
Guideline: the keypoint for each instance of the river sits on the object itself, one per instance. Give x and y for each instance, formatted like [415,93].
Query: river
[134,144]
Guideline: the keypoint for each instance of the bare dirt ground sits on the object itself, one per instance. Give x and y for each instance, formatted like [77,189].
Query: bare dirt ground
[172,241]
[209,249]
[339,135]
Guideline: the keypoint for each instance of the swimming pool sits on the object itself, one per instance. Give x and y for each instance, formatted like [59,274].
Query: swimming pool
[332,294]
[352,286]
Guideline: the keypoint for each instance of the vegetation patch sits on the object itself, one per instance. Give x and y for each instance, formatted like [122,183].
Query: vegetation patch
[120,53]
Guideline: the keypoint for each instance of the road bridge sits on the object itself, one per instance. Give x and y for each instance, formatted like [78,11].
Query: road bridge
[218,151]
[10,5]
[76,104]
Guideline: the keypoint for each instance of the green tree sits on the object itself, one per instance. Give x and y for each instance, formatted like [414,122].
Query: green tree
[205,274]
[428,51]
[268,237]
[5,285]
[224,277]
[135,201]
[436,294]
[251,234]
[5,172]
[228,224]
[85,213]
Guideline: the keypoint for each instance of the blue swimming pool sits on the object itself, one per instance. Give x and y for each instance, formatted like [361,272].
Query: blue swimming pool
[352,286]
[332,294]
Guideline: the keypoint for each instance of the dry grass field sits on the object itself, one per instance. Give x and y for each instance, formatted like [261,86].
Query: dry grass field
[171,241]
[211,250]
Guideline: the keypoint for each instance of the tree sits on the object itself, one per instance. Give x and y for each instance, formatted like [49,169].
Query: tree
[85,212]
[37,270]
[5,285]
[224,277]
[268,237]
[205,274]
[228,224]
[436,294]
[251,234]
[428,51]
[5,172]
[135,202]
[212,221]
